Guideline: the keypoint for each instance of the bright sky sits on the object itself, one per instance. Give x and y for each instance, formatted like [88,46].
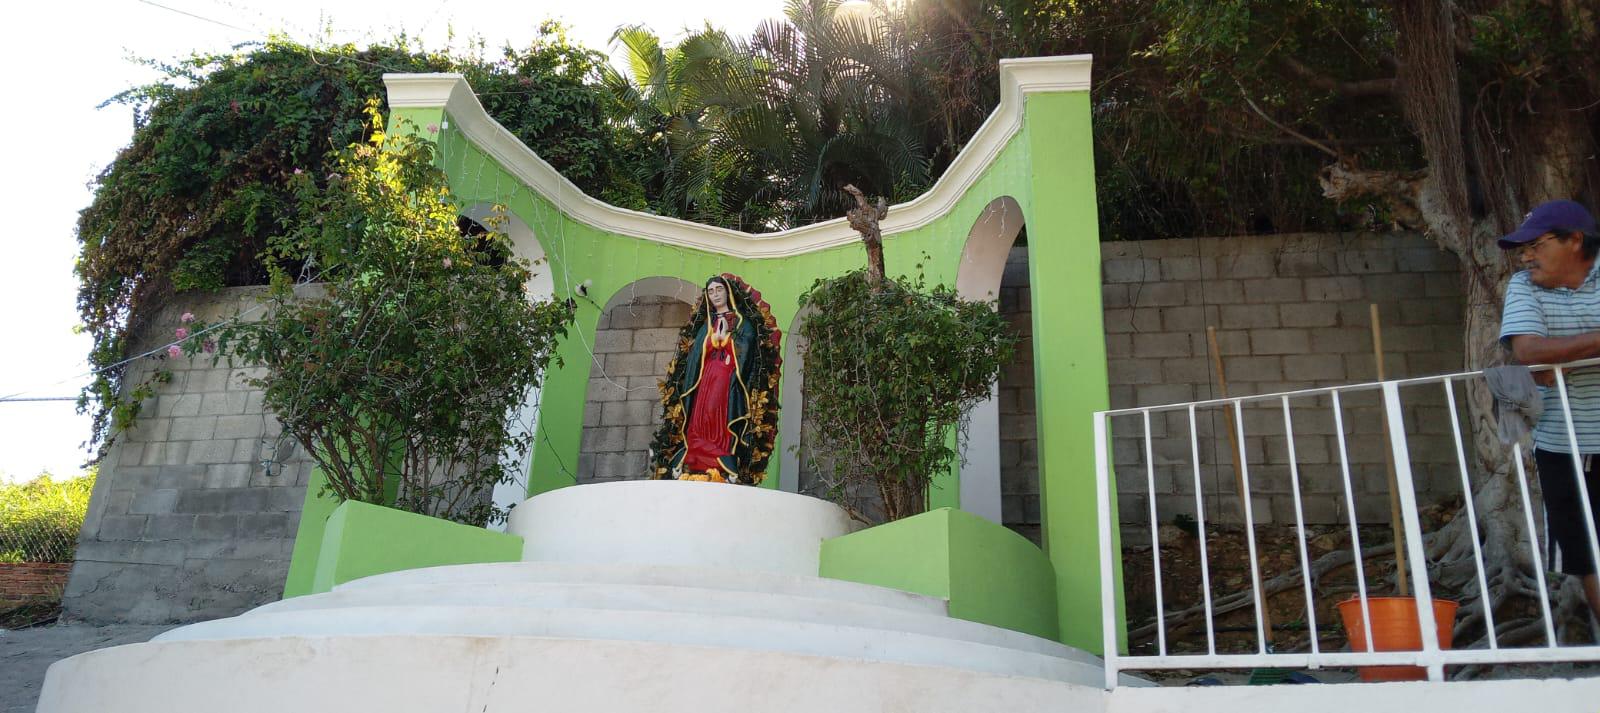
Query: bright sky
[67,56]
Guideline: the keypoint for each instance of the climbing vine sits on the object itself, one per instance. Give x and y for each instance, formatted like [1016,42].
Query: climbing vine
[210,176]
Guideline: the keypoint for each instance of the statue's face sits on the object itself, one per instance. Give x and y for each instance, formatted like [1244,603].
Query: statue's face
[717,293]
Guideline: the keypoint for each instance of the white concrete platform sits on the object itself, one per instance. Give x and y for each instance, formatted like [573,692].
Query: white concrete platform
[730,632]
[521,598]
[696,574]
[668,522]
[464,674]
[450,674]
[739,609]
[660,597]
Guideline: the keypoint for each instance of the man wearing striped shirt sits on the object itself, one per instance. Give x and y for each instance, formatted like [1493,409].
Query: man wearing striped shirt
[1552,316]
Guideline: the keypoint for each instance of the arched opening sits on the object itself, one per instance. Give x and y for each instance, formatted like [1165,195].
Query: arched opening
[636,337]
[997,482]
[524,244]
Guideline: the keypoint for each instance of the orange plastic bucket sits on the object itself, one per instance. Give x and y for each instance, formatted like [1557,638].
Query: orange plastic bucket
[1395,628]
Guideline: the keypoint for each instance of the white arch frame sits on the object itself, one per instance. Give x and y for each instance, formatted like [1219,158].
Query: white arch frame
[656,286]
[524,245]
[978,277]
[1019,78]
[791,397]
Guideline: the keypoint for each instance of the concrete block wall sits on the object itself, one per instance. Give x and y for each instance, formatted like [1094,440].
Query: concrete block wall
[1019,440]
[194,512]
[1291,312]
[633,344]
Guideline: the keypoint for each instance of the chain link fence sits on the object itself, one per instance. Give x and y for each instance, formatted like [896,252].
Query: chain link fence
[40,519]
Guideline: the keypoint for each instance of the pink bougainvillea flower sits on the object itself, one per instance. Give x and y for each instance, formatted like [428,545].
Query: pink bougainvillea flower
[433,128]
[210,346]
[182,332]
[187,317]
[174,351]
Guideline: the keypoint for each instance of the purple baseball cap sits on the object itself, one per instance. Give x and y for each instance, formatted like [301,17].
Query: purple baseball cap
[1550,217]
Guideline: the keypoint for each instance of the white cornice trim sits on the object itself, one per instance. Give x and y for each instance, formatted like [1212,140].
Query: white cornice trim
[1018,78]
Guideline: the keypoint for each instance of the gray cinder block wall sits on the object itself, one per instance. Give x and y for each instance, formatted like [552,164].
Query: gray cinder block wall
[633,343]
[194,512]
[1291,313]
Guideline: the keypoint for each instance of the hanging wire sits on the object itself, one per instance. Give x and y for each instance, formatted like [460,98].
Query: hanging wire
[94,372]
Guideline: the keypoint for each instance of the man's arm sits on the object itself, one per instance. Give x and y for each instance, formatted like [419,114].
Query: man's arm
[1534,349]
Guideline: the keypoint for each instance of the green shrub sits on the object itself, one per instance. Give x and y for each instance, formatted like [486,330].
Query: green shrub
[399,379]
[889,372]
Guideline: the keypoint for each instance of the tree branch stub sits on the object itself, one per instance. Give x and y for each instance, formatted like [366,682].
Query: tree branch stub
[865,219]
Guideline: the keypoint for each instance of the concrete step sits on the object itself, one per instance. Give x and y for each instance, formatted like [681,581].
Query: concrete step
[724,580]
[672,598]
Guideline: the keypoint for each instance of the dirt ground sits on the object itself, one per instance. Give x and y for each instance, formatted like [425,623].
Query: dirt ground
[30,641]
[1278,553]
[1228,554]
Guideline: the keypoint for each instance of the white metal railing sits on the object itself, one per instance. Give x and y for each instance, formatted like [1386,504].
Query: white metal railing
[1431,657]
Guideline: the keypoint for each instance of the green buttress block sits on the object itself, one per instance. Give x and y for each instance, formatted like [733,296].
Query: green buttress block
[988,573]
[362,539]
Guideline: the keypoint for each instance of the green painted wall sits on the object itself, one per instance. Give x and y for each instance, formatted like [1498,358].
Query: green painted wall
[308,540]
[361,539]
[988,573]
[579,252]
[1047,167]
[314,516]
[1069,355]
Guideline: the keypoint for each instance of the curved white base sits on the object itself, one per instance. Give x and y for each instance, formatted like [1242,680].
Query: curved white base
[689,596]
[752,611]
[436,674]
[733,583]
[669,522]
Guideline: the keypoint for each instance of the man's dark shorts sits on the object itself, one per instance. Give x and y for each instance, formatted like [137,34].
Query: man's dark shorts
[1561,502]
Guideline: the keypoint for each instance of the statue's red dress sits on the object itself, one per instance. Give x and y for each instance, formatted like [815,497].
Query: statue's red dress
[707,436]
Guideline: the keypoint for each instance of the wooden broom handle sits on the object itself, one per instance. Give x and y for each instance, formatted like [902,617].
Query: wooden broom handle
[1401,581]
[1238,469]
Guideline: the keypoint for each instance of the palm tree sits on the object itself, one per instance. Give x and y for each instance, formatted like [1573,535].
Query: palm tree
[658,103]
[764,133]
[841,86]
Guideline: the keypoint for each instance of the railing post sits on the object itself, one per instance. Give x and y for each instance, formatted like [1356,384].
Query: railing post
[1427,625]
[1108,519]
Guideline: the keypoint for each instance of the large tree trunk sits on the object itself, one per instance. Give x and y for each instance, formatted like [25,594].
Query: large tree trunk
[1514,164]
[1502,525]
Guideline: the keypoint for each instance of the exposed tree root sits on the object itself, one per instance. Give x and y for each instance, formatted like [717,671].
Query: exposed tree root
[1281,583]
